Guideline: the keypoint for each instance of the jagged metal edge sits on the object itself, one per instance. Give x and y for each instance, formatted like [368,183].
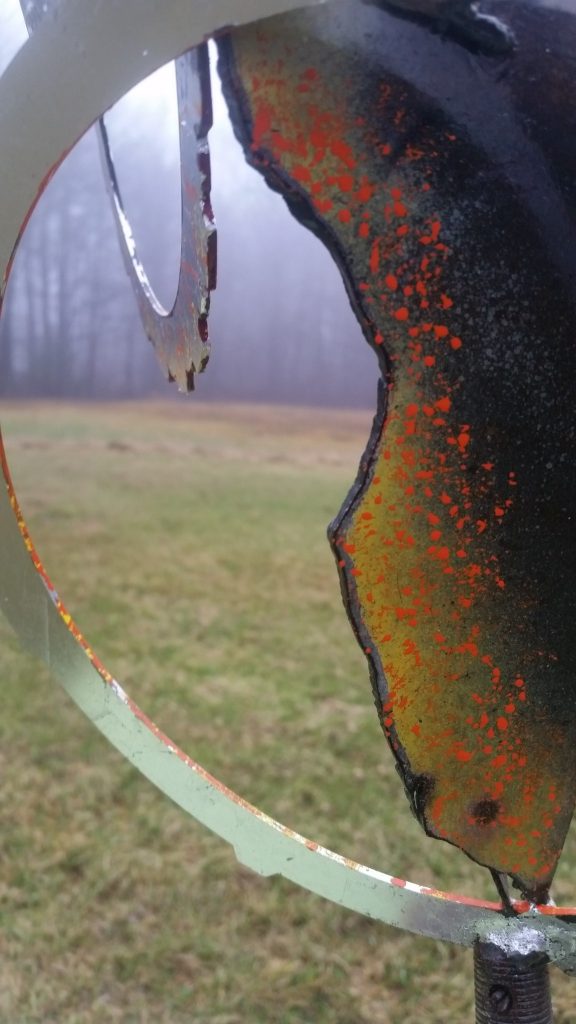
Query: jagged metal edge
[179,335]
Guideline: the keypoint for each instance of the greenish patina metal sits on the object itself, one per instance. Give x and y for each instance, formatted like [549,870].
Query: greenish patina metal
[81,59]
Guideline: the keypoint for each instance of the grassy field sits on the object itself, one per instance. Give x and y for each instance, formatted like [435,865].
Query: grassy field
[189,541]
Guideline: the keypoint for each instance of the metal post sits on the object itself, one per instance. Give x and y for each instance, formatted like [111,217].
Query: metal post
[511,987]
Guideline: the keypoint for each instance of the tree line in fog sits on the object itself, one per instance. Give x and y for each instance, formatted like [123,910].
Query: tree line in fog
[280,324]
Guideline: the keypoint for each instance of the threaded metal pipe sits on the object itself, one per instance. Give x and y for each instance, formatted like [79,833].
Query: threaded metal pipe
[511,988]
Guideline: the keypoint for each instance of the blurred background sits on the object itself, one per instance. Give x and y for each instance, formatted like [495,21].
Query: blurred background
[280,324]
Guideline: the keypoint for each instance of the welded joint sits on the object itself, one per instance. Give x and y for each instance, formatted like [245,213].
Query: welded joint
[528,938]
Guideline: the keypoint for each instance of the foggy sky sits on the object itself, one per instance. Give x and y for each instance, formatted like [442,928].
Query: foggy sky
[277,284]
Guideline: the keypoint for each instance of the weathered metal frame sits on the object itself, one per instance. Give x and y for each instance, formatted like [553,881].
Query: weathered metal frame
[179,335]
[79,61]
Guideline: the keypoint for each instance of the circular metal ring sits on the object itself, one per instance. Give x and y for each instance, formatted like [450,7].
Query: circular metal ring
[77,64]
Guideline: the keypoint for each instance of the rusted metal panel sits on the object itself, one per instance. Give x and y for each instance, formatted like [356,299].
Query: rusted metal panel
[443,183]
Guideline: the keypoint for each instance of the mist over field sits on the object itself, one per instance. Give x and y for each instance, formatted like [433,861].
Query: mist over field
[280,325]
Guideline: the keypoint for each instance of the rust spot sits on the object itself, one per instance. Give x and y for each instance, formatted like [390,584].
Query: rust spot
[485,812]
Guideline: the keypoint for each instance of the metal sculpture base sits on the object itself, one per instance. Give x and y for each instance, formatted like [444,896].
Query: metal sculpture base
[511,988]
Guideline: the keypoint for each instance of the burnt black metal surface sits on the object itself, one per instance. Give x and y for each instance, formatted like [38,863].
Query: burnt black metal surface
[442,181]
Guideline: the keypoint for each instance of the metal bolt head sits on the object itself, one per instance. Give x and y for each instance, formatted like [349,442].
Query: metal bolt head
[500,998]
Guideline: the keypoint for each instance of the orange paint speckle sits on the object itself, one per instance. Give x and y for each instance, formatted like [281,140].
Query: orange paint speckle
[402,313]
[323,205]
[374,261]
[301,173]
[346,182]
[443,404]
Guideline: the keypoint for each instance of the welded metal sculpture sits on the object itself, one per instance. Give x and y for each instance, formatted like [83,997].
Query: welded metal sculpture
[442,183]
[449,208]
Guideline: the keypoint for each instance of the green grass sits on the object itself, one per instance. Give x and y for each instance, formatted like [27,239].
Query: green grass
[189,541]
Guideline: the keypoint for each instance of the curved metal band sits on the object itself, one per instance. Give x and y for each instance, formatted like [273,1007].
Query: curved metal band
[180,337]
[73,67]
